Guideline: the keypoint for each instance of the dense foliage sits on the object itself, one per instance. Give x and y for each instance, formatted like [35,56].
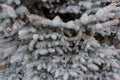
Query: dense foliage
[59,39]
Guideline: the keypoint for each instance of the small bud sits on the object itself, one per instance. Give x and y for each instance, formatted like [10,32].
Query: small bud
[73,73]
[57,73]
[93,67]
[66,76]
[39,67]
[35,36]
[49,68]
[42,51]
[41,37]
[51,50]
[53,36]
